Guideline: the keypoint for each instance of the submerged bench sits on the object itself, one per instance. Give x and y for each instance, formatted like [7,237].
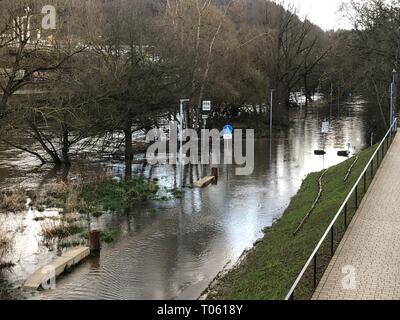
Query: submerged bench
[59,265]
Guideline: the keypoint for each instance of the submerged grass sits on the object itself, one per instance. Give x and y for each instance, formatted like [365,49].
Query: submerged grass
[109,236]
[59,230]
[6,246]
[106,236]
[97,197]
[55,197]
[269,269]
[112,195]
[13,200]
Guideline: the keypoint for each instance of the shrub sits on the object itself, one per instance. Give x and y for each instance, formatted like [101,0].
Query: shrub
[6,245]
[53,229]
[13,200]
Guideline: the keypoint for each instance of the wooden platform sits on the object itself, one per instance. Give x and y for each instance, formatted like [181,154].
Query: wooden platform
[204,182]
[59,265]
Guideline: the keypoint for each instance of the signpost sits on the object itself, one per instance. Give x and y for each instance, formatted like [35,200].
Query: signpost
[228,142]
[206,106]
[325,127]
[228,132]
[324,130]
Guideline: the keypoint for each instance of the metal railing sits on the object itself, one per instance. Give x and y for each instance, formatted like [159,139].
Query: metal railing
[355,193]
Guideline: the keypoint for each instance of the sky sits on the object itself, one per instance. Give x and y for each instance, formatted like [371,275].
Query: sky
[324,13]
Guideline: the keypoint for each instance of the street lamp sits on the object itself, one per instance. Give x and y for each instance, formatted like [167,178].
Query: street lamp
[392,97]
[181,111]
[271,112]
[28,24]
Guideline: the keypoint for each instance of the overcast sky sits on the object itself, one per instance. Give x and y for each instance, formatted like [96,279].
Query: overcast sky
[322,12]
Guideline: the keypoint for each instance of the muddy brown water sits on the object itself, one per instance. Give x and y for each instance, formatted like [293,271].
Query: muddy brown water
[173,249]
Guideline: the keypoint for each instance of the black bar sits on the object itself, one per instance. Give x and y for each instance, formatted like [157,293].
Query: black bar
[365,182]
[315,272]
[385,142]
[372,169]
[377,159]
[356,196]
[291,298]
[345,215]
[387,145]
[332,244]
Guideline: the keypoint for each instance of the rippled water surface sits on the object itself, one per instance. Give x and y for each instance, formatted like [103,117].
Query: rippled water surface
[174,249]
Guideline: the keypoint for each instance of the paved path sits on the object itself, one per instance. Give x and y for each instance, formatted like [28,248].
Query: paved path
[370,249]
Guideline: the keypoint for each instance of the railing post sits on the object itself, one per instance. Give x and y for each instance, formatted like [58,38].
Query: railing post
[383,145]
[332,244]
[372,169]
[365,182]
[315,272]
[345,215]
[377,158]
[356,196]
[387,145]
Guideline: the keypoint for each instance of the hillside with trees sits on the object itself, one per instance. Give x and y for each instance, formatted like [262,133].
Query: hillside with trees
[121,66]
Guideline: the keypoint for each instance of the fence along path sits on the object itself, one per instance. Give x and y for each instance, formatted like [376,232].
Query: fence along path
[366,265]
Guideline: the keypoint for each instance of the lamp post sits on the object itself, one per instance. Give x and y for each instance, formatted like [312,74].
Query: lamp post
[181,115]
[27,32]
[271,112]
[331,100]
[392,97]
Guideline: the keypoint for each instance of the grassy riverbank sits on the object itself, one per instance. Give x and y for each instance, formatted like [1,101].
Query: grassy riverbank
[97,197]
[76,203]
[269,269]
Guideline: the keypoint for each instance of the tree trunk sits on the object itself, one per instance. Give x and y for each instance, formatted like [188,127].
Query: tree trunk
[65,147]
[307,94]
[53,154]
[3,104]
[281,107]
[128,152]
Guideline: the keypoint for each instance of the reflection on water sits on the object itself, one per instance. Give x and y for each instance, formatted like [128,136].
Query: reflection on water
[174,249]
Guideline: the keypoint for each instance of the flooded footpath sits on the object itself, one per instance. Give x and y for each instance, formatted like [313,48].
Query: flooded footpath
[173,249]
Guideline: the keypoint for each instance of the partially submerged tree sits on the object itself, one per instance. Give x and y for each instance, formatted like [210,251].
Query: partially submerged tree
[375,44]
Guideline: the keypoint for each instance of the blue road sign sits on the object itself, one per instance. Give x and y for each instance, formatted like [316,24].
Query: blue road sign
[228,129]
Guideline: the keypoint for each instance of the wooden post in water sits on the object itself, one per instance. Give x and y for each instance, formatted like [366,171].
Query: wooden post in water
[214,173]
[94,239]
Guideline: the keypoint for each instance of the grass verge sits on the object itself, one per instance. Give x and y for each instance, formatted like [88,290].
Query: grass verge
[269,269]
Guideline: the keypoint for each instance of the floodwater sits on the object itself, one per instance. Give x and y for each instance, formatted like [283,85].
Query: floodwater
[173,249]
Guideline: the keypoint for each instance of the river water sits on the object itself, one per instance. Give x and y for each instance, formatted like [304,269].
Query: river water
[173,249]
